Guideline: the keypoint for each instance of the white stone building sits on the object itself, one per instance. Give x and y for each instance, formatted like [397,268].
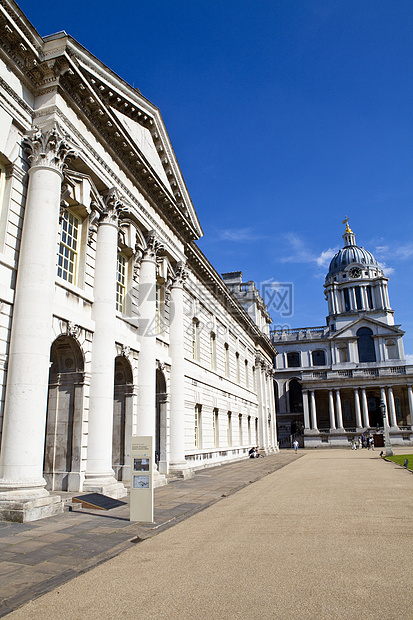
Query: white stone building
[112,321]
[330,380]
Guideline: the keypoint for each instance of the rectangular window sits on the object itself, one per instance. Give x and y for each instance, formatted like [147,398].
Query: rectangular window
[121,283]
[195,339]
[68,248]
[240,429]
[197,434]
[369,297]
[213,351]
[346,300]
[229,429]
[215,424]
[359,302]
[226,359]
[159,308]
[249,430]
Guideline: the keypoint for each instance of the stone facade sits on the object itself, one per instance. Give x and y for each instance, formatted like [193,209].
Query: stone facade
[331,380]
[112,320]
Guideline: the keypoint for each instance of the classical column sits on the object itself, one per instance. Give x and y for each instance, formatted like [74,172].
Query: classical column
[365,409]
[147,336]
[178,464]
[331,409]
[383,398]
[410,397]
[99,474]
[338,410]
[392,410]
[305,410]
[272,406]
[22,493]
[357,408]
[313,410]
[261,400]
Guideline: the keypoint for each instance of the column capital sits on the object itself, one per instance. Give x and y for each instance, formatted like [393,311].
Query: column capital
[181,273]
[49,148]
[154,246]
[113,206]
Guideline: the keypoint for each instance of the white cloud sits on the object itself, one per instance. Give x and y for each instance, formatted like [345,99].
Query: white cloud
[301,254]
[386,269]
[239,235]
[409,358]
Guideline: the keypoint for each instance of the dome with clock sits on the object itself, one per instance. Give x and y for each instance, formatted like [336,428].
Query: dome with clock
[355,284]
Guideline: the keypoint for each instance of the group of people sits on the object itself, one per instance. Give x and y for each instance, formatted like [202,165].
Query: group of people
[365,441]
[254,454]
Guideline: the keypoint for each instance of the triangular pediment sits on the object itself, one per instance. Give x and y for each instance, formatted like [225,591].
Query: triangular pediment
[142,138]
[377,327]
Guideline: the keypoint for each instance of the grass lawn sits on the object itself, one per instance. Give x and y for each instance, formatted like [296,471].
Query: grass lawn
[400,458]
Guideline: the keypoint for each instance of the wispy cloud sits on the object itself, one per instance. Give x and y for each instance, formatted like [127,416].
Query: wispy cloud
[400,252]
[299,253]
[239,235]
[409,358]
[386,269]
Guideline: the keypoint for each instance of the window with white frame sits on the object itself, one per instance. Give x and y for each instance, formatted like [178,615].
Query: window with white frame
[67,260]
[160,292]
[121,279]
[195,339]
[215,426]
[226,353]
[197,426]
[213,351]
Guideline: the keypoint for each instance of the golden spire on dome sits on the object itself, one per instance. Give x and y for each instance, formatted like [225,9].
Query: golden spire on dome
[348,229]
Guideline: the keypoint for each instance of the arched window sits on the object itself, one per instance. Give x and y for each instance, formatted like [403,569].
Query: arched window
[296,397]
[293,359]
[319,358]
[365,344]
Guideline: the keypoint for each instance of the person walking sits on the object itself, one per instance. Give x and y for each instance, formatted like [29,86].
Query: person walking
[295,446]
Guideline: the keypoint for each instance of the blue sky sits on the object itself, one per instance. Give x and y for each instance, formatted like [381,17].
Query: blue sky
[285,116]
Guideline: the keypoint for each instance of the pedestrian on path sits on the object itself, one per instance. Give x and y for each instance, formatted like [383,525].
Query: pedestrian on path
[295,446]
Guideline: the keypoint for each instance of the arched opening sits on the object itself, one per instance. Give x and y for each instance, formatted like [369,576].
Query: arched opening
[365,345]
[62,451]
[122,418]
[161,423]
[296,396]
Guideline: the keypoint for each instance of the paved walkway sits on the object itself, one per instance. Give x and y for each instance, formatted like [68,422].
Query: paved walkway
[327,537]
[39,556]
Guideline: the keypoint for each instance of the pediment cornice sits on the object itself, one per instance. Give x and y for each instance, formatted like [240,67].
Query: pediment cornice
[98,102]
[344,332]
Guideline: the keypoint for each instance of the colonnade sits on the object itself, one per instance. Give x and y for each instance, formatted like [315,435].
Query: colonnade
[22,487]
[360,407]
[266,404]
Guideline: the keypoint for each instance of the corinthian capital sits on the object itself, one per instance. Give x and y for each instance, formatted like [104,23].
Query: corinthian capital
[180,275]
[51,148]
[153,245]
[113,207]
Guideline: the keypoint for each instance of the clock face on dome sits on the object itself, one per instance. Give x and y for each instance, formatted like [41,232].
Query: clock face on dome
[355,272]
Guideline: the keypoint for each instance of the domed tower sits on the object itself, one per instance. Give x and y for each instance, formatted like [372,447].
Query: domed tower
[355,285]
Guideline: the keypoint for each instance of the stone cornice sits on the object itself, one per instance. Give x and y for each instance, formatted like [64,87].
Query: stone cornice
[205,271]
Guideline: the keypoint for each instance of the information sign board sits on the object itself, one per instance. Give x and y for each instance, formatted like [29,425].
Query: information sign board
[141,491]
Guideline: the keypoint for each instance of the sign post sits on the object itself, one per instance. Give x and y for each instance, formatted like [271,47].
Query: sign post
[141,489]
